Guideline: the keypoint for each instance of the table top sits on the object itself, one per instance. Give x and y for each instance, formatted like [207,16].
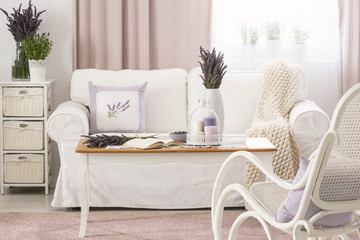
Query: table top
[228,145]
[11,83]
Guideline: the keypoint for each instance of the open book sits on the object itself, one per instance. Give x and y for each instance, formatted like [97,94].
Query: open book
[151,143]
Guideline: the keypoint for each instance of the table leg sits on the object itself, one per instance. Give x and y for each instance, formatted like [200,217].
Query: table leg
[84,193]
[266,158]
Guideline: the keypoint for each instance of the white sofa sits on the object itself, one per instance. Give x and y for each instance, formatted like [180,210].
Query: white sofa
[170,96]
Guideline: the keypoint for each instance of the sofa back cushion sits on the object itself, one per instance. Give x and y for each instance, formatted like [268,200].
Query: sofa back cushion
[240,92]
[165,104]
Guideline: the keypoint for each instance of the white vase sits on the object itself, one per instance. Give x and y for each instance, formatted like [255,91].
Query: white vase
[273,48]
[215,103]
[37,70]
[298,51]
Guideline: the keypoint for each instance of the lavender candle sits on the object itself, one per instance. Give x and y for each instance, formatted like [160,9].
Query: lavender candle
[209,121]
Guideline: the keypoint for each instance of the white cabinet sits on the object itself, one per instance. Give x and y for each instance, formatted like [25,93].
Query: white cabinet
[25,148]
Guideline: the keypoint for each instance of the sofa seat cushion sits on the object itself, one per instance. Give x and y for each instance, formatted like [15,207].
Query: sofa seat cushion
[166,93]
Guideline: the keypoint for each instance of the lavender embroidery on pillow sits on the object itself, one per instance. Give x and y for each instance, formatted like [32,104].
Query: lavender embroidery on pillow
[115,110]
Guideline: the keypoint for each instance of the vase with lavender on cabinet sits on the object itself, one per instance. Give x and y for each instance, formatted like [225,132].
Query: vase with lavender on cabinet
[22,23]
[213,69]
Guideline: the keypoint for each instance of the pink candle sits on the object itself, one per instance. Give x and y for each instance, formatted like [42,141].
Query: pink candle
[210,130]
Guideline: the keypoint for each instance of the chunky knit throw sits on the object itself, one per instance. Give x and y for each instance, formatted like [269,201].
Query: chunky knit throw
[272,120]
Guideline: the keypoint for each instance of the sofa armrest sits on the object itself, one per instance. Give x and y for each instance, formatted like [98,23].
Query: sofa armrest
[69,120]
[309,124]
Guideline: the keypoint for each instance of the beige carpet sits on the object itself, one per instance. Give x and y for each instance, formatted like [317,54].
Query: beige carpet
[124,225]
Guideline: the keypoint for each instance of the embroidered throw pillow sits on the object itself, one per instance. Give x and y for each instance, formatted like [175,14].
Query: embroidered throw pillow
[117,109]
[290,206]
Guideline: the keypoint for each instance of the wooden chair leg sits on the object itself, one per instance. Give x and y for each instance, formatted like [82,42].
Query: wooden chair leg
[240,219]
[337,237]
[219,211]
[299,225]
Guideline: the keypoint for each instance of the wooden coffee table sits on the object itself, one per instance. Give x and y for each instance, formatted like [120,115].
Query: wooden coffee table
[261,147]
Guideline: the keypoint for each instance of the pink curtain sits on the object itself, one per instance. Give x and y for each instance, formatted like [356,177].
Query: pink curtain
[139,34]
[349,20]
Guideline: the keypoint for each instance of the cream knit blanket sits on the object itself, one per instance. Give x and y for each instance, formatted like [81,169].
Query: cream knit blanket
[272,120]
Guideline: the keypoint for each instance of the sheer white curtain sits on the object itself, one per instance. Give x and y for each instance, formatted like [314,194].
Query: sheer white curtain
[304,32]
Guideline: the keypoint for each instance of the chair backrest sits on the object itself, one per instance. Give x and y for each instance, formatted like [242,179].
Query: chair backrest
[337,186]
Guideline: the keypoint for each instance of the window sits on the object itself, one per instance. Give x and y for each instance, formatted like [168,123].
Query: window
[303,32]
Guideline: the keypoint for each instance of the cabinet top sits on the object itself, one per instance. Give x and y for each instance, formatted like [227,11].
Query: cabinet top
[26,83]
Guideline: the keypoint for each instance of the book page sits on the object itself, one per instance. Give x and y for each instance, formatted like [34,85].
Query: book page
[170,143]
[149,143]
[142,143]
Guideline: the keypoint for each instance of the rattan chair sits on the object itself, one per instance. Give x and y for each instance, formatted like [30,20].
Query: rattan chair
[332,182]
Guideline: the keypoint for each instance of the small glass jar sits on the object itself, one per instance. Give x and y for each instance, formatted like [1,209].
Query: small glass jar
[204,126]
[20,68]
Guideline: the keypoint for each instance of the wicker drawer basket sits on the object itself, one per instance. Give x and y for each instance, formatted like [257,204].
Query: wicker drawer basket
[24,168]
[25,135]
[23,102]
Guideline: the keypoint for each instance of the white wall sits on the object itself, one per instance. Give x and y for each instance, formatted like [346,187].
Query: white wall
[57,20]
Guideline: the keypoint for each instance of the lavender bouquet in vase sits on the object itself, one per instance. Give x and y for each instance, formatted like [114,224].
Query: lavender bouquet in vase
[22,23]
[213,70]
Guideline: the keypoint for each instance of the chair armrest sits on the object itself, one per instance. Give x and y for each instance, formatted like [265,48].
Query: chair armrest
[69,120]
[309,124]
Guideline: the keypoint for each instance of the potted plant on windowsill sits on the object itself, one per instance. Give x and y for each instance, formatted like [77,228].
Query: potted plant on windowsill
[273,44]
[254,35]
[251,33]
[37,48]
[301,35]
